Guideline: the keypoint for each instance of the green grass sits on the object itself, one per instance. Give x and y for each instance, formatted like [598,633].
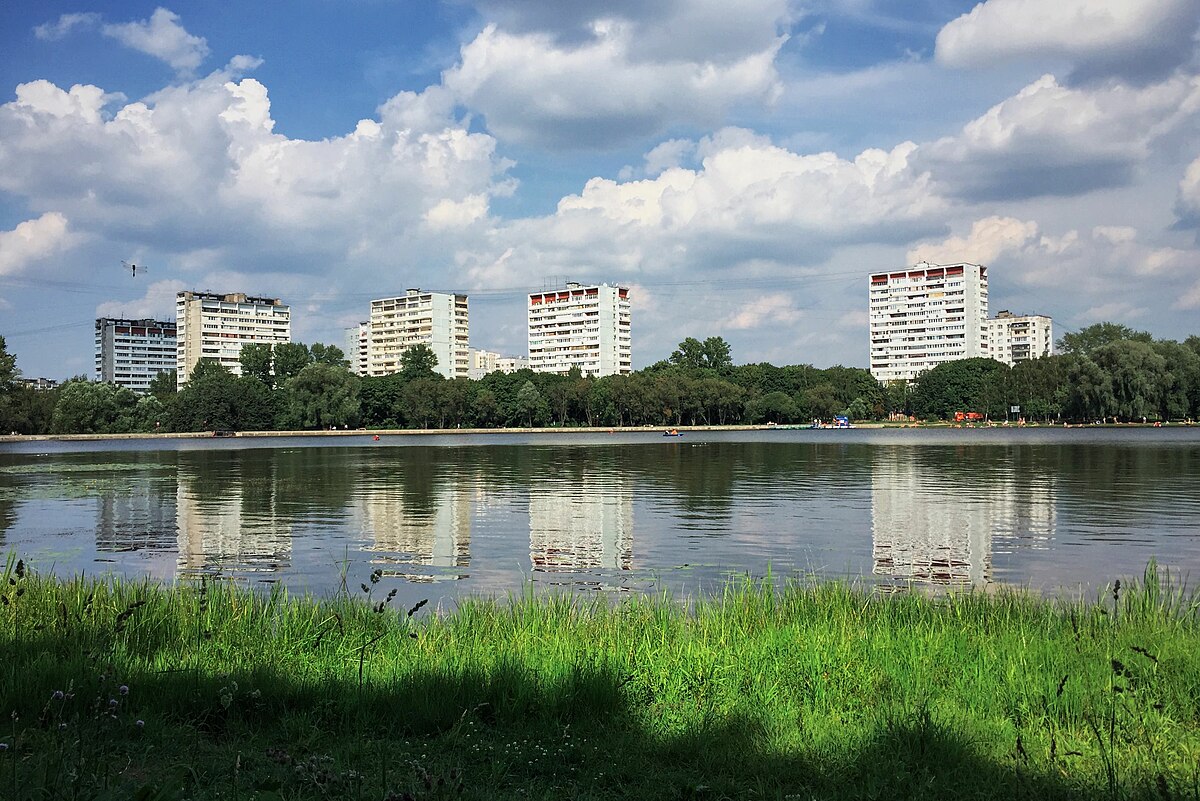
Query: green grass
[809,691]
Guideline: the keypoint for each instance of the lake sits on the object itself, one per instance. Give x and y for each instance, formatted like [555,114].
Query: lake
[440,516]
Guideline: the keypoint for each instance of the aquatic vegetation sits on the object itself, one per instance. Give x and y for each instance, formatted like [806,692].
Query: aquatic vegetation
[116,689]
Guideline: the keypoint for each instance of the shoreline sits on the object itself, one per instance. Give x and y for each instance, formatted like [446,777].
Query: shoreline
[439,432]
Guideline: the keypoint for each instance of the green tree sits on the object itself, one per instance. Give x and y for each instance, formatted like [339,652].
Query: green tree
[774,407]
[1137,375]
[717,353]
[8,368]
[956,386]
[320,396]
[1088,339]
[163,386]
[85,407]
[257,360]
[418,361]
[531,405]
[328,354]
[288,359]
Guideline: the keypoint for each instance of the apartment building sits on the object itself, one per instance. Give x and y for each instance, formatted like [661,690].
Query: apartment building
[215,326]
[1018,338]
[355,344]
[580,326]
[486,361]
[130,353]
[926,315]
[439,320]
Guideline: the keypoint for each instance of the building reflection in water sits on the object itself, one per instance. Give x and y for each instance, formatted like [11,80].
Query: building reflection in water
[140,519]
[939,521]
[582,525]
[227,521]
[411,535]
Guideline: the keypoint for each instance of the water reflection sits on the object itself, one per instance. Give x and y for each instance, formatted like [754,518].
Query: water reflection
[231,514]
[937,517]
[581,523]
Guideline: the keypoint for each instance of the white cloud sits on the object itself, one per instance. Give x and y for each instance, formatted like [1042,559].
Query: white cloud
[1054,140]
[1133,39]
[457,214]
[762,311]
[989,238]
[534,90]
[1187,202]
[164,38]
[53,31]
[158,302]
[33,241]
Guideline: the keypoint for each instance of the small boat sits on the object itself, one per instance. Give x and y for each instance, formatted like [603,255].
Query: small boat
[672,433]
[222,432]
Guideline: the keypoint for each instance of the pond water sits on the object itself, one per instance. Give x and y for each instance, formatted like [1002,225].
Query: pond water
[1055,510]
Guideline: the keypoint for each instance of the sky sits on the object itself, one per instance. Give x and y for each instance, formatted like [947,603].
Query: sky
[742,166]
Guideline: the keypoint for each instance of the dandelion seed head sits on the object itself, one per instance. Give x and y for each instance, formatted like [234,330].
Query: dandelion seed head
[123,689]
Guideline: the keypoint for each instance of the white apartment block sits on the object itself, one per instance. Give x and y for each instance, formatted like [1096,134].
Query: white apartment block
[581,326]
[356,339]
[214,326]
[1014,338]
[926,315]
[439,320]
[486,361]
[130,353]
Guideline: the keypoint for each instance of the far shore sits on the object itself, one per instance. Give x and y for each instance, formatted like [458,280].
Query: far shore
[425,432]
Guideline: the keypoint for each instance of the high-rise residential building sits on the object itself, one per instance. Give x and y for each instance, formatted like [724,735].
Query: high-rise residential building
[927,315]
[486,361]
[130,353]
[213,326]
[1018,338]
[580,326]
[439,320]
[355,343]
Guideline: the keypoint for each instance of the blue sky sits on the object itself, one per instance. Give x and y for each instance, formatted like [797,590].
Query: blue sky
[742,166]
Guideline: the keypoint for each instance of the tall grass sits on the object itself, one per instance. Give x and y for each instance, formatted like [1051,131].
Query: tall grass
[823,690]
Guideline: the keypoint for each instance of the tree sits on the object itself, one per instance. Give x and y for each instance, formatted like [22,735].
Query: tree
[418,362]
[1088,339]
[774,407]
[289,359]
[85,407]
[328,354]
[163,385]
[692,354]
[1136,374]
[531,405]
[8,368]
[717,353]
[321,395]
[955,386]
[256,361]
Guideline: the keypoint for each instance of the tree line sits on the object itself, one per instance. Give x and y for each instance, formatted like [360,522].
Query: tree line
[1104,372]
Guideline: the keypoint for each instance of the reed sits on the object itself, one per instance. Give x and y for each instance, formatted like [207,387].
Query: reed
[134,689]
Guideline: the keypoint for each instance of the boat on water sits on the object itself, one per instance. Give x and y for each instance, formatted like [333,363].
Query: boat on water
[673,432]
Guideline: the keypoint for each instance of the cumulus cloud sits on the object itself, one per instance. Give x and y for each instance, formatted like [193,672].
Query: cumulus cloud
[762,311]
[599,93]
[749,199]
[164,38]
[688,30]
[199,166]
[989,238]
[1137,40]
[1187,203]
[1054,140]
[158,302]
[33,241]
[61,28]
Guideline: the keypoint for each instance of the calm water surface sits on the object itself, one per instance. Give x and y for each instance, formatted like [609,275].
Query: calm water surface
[1056,510]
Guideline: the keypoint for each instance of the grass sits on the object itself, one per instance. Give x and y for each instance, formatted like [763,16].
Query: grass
[202,691]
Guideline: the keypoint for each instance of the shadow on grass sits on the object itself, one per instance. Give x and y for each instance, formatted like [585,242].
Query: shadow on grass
[508,732]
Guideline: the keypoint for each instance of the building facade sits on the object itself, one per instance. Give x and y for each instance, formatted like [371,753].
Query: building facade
[581,326]
[439,320]
[214,326]
[487,361]
[356,340]
[1014,338]
[130,353]
[926,315]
